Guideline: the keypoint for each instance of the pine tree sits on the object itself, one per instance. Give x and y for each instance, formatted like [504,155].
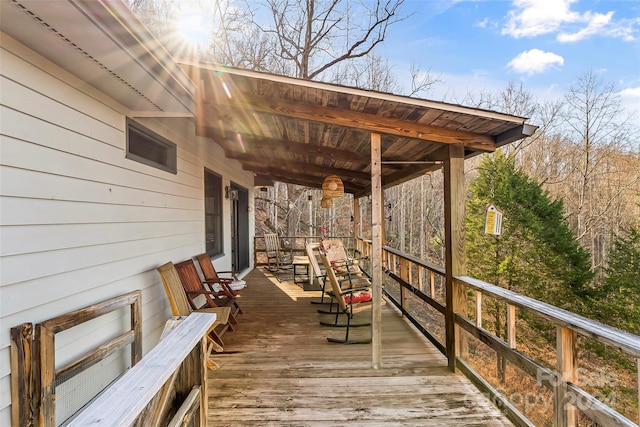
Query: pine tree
[536,254]
[616,302]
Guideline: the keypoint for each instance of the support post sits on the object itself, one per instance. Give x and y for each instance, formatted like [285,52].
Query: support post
[377,206]
[357,232]
[455,256]
[566,353]
[23,406]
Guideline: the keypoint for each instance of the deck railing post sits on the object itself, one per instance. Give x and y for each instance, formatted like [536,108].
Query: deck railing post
[404,275]
[478,295]
[566,352]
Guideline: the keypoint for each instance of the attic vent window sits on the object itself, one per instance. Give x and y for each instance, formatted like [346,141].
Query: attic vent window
[145,146]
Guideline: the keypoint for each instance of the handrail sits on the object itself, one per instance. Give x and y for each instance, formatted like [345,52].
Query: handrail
[625,341]
[398,266]
[122,402]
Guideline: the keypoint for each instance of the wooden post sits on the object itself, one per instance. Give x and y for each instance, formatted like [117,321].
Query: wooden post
[404,294]
[357,232]
[204,384]
[420,279]
[432,284]
[511,325]
[455,262]
[377,216]
[45,387]
[22,376]
[566,352]
[479,309]
[136,327]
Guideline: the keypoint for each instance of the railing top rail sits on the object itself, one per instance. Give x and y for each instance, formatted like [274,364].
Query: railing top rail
[124,400]
[426,264]
[587,327]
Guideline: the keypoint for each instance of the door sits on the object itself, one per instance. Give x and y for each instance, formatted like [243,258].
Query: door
[239,228]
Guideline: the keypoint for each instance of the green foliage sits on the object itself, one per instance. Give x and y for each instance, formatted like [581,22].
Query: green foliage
[536,253]
[616,301]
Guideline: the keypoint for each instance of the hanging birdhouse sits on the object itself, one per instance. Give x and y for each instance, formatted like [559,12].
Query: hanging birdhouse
[493,220]
[332,187]
[326,202]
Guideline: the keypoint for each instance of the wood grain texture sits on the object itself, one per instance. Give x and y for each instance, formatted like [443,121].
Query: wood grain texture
[278,370]
[123,401]
[22,376]
[298,126]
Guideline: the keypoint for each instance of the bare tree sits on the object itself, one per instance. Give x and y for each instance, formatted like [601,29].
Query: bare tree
[312,36]
[597,124]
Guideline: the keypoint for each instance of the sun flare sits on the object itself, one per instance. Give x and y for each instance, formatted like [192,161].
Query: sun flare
[193,26]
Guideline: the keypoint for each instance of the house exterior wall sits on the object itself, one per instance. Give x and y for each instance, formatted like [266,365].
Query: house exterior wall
[80,223]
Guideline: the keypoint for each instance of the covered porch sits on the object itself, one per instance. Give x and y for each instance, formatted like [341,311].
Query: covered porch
[278,369]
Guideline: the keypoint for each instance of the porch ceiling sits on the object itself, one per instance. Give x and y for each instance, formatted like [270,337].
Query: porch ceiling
[298,131]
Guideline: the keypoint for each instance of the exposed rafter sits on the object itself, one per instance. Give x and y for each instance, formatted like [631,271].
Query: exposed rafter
[237,111]
[265,143]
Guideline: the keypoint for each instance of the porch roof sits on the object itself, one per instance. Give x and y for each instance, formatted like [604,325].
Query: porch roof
[279,128]
[298,131]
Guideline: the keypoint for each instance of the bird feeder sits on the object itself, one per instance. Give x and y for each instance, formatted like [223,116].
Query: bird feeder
[493,220]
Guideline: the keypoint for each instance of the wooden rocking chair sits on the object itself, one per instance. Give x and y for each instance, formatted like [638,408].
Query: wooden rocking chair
[350,300]
[216,296]
[276,260]
[211,276]
[180,305]
[317,270]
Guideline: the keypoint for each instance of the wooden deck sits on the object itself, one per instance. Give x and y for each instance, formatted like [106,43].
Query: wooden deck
[278,369]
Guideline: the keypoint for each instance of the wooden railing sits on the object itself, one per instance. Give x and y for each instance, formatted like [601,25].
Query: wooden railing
[173,373]
[417,277]
[294,245]
[34,374]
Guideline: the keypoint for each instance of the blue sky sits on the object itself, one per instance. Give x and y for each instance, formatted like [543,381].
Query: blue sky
[545,44]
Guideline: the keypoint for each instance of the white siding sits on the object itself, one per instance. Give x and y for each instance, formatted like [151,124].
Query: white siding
[79,222]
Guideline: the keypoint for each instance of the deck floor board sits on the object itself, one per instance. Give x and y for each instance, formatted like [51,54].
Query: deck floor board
[279,370]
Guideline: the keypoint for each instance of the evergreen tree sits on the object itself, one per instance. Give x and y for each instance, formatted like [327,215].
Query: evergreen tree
[536,253]
[616,302]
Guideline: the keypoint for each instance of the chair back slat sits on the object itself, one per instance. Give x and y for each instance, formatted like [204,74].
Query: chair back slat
[174,290]
[189,276]
[309,248]
[271,244]
[335,285]
[206,266]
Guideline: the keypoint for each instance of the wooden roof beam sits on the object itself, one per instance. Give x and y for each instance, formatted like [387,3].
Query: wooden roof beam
[259,142]
[234,109]
[298,178]
[288,165]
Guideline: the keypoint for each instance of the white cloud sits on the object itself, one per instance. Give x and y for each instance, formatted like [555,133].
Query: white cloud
[631,99]
[535,61]
[531,18]
[484,23]
[596,23]
[631,91]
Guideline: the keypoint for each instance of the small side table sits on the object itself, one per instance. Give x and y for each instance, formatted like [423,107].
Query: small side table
[301,269]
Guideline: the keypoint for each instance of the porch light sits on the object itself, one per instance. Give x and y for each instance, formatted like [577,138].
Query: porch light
[332,187]
[230,193]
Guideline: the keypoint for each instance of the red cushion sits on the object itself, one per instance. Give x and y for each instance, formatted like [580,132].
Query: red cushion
[358,297]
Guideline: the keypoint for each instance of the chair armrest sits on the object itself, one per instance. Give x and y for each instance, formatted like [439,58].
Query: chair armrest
[219,280]
[233,272]
[352,290]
